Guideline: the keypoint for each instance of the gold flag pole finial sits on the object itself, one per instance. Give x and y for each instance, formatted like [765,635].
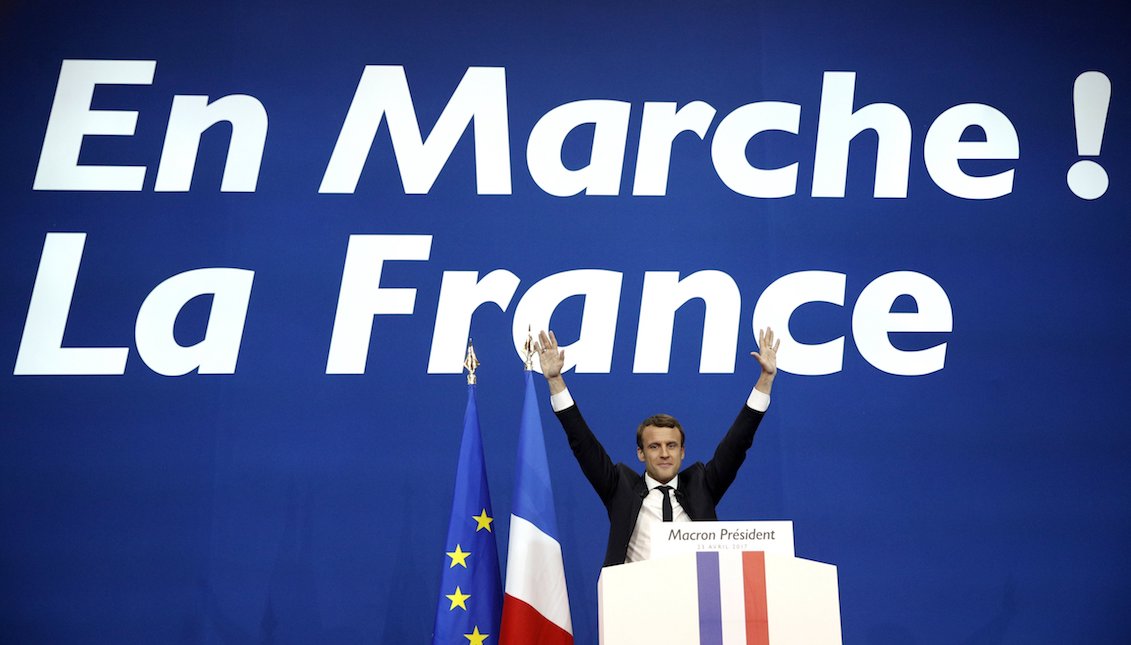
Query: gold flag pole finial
[528,349]
[470,363]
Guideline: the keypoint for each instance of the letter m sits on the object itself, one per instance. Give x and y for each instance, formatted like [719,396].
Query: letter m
[383,93]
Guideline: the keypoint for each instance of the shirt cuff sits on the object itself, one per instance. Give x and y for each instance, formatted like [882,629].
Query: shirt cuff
[759,401]
[563,400]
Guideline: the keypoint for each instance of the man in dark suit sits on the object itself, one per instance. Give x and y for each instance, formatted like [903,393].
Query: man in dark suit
[636,502]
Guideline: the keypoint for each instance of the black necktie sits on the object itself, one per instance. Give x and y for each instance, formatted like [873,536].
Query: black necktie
[667,502]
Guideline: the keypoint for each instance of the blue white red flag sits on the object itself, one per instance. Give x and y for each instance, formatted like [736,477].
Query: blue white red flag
[535,603]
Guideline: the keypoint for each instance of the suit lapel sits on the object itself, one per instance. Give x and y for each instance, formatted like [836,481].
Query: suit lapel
[682,497]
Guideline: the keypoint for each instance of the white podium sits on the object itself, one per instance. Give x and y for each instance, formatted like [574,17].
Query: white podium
[720,598]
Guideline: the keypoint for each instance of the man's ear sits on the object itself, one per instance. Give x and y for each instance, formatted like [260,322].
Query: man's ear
[640,454]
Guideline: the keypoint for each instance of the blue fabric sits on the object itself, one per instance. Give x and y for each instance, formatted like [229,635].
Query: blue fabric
[533,494]
[479,581]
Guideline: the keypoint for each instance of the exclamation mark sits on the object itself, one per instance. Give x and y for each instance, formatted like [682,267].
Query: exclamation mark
[1091,96]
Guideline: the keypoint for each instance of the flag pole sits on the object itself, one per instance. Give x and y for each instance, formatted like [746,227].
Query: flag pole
[528,350]
[471,362]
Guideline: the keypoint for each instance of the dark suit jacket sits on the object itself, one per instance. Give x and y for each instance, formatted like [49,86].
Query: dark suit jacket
[622,489]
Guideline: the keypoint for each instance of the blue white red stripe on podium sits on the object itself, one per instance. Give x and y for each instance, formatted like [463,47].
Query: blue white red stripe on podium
[732,598]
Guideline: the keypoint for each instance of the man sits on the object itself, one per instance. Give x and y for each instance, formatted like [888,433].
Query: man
[635,502]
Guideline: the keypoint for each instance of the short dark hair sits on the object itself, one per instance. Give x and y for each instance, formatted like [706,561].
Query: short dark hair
[660,421]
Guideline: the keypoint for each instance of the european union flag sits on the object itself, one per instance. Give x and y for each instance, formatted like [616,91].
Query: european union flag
[471,595]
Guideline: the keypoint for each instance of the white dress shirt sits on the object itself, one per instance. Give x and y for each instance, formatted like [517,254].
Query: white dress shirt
[651,517]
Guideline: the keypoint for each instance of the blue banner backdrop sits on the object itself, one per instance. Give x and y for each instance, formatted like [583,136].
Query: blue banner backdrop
[233,324]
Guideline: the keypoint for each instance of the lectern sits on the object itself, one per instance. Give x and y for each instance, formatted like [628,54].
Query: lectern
[719,598]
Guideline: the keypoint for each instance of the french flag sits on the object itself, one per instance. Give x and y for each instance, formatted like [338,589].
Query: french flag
[535,602]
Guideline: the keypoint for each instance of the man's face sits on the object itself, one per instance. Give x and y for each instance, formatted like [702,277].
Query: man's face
[662,452]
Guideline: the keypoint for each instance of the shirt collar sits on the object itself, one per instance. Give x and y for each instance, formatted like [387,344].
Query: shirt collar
[651,483]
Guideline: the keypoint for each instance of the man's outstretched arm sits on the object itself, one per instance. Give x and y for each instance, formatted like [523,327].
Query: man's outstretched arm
[590,454]
[731,451]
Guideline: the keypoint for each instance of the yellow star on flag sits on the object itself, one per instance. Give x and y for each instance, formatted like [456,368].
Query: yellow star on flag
[482,521]
[475,638]
[458,599]
[459,557]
